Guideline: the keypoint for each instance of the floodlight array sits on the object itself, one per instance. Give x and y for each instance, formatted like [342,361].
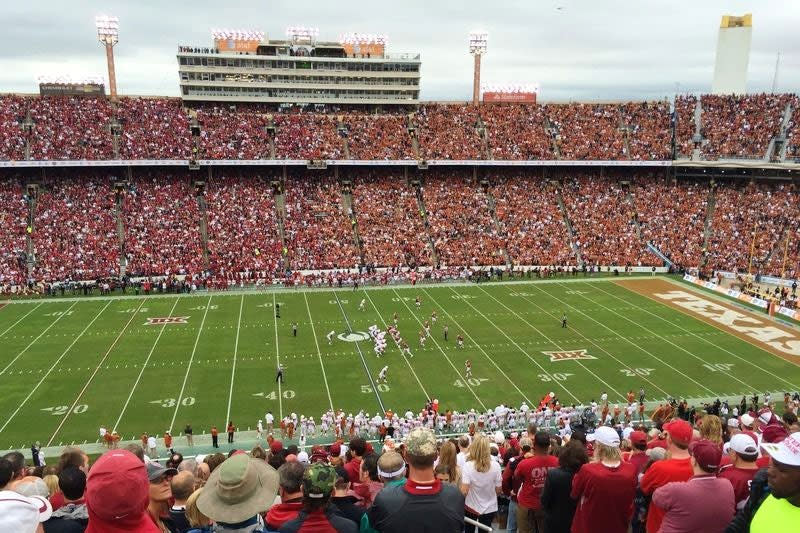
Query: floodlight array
[363,38]
[237,34]
[107,26]
[509,88]
[478,42]
[68,79]
[302,32]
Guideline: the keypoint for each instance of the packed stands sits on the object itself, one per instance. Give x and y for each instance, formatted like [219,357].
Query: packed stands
[12,113]
[242,227]
[71,128]
[389,221]
[516,132]
[672,216]
[531,220]
[378,137]
[448,132]
[162,225]
[74,228]
[13,221]
[603,221]
[649,124]
[153,128]
[587,131]
[685,125]
[307,136]
[238,134]
[319,233]
[460,223]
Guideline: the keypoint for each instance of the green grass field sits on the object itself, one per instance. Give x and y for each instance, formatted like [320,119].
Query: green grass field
[68,366]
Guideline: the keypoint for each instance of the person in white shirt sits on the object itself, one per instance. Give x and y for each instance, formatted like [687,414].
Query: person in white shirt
[151,447]
[259,428]
[363,305]
[330,335]
[270,419]
[463,451]
[382,374]
[481,482]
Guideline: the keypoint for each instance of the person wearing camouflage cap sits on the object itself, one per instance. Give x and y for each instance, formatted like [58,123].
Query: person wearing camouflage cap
[317,513]
[423,504]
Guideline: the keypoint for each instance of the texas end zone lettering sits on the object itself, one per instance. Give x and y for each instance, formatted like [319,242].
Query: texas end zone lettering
[166,320]
[750,326]
[571,355]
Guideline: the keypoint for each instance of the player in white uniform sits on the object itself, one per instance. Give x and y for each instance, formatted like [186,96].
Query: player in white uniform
[422,338]
[363,305]
[330,335]
[460,341]
[382,374]
[433,317]
[468,369]
[418,302]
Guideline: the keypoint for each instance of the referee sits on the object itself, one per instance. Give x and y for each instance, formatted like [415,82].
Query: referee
[279,376]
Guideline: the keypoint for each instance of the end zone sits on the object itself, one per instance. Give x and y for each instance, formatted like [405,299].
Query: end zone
[758,330]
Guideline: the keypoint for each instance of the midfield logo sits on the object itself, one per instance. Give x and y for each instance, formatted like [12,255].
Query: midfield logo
[569,355]
[166,320]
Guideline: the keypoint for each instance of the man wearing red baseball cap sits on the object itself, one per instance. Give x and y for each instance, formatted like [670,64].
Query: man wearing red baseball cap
[638,457]
[688,505]
[677,468]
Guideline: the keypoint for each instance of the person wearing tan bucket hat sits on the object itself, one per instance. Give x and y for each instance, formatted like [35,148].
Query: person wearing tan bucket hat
[237,492]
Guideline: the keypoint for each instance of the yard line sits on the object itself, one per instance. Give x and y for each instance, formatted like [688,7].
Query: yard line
[681,348]
[144,365]
[54,365]
[751,363]
[555,382]
[363,361]
[277,358]
[479,347]
[96,370]
[319,352]
[9,328]
[233,367]
[463,378]
[587,338]
[53,323]
[385,325]
[189,366]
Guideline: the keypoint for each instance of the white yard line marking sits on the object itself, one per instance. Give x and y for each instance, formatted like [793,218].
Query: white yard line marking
[9,328]
[411,368]
[361,354]
[463,378]
[144,366]
[733,354]
[53,323]
[189,366]
[96,370]
[573,328]
[661,337]
[235,353]
[319,352]
[52,367]
[277,358]
[488,358]
[553,381]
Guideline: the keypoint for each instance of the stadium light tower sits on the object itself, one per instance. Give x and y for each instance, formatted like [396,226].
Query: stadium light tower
[477,47]
[108,35]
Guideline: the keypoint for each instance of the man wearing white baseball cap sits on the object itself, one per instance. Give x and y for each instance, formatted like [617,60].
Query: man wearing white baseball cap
[743,452]
[18,513]
[774,504]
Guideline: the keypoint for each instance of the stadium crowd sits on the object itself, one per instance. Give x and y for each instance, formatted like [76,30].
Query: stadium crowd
[378,137]
[717,468]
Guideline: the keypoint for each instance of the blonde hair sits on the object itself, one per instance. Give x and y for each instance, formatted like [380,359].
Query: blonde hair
[711,429]
[479,453]
[610,454]
[52,484]
[193,514]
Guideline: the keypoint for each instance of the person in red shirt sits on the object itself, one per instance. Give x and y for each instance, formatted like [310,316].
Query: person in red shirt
[530,475]
[214,437]
[638,457]
[604,488]
[167,440]
[231,428]
[743,454]
[358,447]
[677,468]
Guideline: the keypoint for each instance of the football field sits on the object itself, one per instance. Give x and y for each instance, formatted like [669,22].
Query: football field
[153,363]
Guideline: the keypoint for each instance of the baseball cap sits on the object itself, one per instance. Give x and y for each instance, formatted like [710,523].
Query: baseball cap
[336,450]
[774,433]
[421,442]
[765,416]
[23,514]
[318,480]
[499,438]
[302,457]
[707,454]
[746,420]
[117,495]
[276,446]
[679,431]
[744,444]
[155,471]
[238,489]
[638,437]
[733,423]
[786,452]
[604,435]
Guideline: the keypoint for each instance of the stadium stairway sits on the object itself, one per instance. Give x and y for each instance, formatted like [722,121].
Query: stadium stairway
[350,212]
[118,196]
[698,127]
[411,128]
[33,193]
[711,203]
[280,213]
[201,204]
[782,139]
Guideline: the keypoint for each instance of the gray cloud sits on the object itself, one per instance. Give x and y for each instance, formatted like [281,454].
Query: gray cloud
[614,49]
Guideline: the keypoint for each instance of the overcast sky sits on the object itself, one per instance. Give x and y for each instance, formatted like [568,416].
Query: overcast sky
[574,49]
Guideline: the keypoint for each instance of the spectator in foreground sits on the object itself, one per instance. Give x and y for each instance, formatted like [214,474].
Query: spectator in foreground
[343,497]
[481,483]
[604,488]
[677,468]
[358,447]
[73,516]
[160,495]
[117,495]
[317,514]
[743,454]
[18,513]
[530,476]
[774,502]
[290,489]
[423,504]
[705,503]
[182,486]
[237,492]
[558,506]
[17,461]
[198,522]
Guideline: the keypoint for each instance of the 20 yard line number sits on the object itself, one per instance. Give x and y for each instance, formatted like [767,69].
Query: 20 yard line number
[61,410]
